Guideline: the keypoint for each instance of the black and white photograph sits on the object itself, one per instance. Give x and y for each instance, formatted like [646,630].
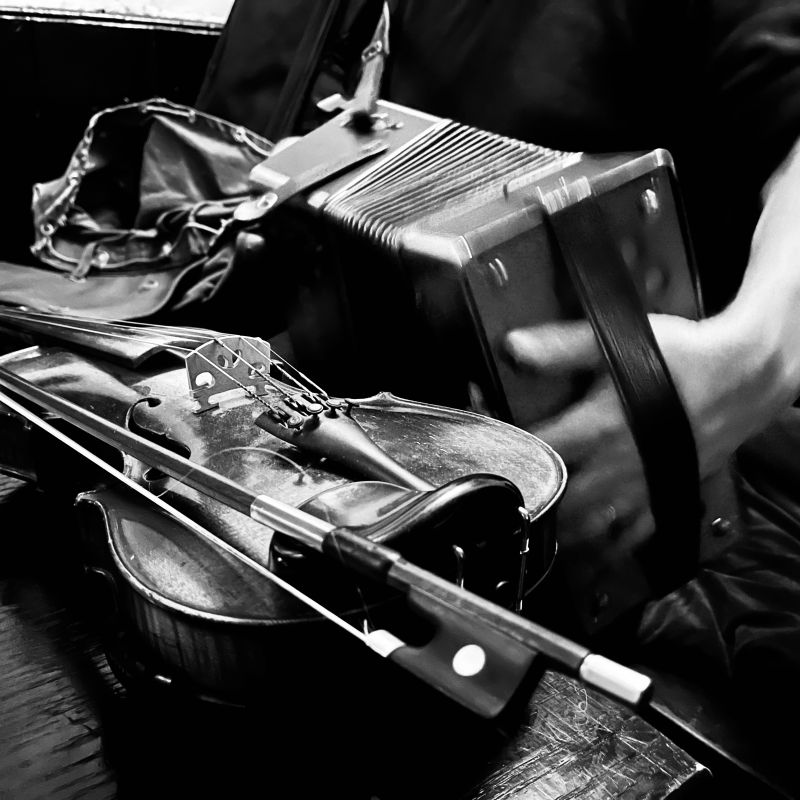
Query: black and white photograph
[400,399]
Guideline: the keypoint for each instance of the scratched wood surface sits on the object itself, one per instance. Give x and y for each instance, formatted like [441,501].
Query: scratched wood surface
[68,729]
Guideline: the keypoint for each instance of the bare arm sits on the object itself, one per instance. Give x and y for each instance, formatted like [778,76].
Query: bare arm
[758,336]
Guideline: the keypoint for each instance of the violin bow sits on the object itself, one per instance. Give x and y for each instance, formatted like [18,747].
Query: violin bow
[479,654]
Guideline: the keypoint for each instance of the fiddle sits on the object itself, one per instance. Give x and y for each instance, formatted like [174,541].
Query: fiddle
[268,454]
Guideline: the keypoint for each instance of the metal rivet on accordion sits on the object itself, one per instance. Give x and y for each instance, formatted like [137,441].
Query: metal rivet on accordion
[650,203]
[251,210]
[721,526]
[497,269]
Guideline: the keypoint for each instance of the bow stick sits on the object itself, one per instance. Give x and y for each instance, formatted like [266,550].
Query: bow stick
[479,653]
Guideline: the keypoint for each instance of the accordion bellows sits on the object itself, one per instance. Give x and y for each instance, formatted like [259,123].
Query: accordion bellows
[448,167]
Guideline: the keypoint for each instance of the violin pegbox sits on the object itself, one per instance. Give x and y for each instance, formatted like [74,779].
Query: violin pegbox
[228,370]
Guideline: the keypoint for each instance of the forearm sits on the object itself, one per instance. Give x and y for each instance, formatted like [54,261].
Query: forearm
[747,362]
[763,321]
[735,371]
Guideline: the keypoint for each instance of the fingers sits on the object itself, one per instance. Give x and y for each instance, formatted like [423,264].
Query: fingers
[617,519]
[586,425]
[607,502]
[554,347]
[606,505]
[596,539]
[477,399]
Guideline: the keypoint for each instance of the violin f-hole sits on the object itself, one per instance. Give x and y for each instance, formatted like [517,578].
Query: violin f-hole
[151,477]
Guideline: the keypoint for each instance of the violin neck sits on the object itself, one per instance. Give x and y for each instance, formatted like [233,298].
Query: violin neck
[131,344]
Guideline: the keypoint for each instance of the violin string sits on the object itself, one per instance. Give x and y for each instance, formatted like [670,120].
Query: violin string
[370,635]
[182,518]
[281,364]
[248,390]
[186,350]
[302,375]
[201,334]
[153,329]
[357,584]
[70,320]
[115,335]
[269,379]
[256,370]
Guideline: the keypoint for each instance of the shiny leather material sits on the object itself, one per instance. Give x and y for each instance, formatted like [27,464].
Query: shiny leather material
[655,414]
[135,223]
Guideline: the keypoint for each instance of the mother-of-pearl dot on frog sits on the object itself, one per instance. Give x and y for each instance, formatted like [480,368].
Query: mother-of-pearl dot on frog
[469,660]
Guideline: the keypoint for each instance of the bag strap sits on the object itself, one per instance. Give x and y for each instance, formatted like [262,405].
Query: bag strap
[656,416]
[305,67]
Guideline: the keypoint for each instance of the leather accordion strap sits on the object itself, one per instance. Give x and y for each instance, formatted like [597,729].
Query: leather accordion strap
[655,414]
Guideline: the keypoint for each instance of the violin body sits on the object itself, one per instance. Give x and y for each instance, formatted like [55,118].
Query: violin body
[197,630]
[206,620]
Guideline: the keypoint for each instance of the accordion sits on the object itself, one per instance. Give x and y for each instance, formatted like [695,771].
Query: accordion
[406,272]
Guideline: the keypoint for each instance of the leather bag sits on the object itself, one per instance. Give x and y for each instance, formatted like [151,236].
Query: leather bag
[139,221]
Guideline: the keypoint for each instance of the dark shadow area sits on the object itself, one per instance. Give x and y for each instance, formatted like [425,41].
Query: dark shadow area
[49,105]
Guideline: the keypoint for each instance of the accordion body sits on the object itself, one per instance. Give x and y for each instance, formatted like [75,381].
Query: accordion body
[407,272]
[425,257]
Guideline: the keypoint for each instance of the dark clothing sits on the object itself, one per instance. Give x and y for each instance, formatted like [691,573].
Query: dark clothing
[717,83]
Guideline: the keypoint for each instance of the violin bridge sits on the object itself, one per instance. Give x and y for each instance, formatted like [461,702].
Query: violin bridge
[227,370]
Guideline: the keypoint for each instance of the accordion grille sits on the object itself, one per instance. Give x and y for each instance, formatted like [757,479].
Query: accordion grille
[444,169]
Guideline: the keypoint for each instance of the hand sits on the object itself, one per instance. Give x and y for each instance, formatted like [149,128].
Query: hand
[606,491]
